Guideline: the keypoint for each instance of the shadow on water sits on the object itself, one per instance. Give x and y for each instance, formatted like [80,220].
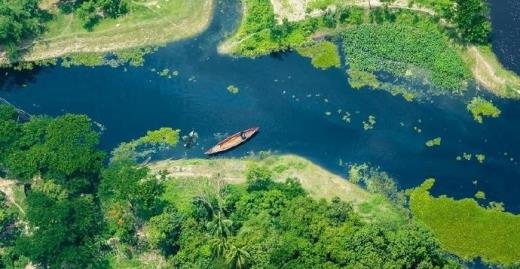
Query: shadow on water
[300,110]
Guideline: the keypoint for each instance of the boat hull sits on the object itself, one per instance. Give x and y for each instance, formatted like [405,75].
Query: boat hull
[233,141]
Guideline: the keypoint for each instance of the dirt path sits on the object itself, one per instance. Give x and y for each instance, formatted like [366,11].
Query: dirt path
[6,186]
[296,10]
[485,72]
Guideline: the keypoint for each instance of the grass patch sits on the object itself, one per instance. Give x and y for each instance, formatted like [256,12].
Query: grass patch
[195,177]
[147,23]
[467,229]
[481,108]
[489,72]
[324,54]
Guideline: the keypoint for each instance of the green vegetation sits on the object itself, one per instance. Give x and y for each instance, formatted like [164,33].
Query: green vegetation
[233,89]
[324,54]
[370,123]
[393,48]
[480,158]
[376,182]
[480,108]
[19,20]
[82,212]
[471,18]
[319,183]
[467,229]
[480,195]
[433,142]
[146,23]
[403,40]
[144,146]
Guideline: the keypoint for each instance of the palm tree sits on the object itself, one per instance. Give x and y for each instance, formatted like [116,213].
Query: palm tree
[219,247]
[237,258]
[219,226]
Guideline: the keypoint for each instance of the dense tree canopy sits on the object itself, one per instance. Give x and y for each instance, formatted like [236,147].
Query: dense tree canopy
[81,213]
[19,19]
[472,20]
[60,160]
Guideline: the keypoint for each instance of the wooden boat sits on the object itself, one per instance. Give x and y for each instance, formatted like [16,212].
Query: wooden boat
[232,141]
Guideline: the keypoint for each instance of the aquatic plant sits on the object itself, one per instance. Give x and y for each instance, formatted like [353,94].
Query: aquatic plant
[480,157]
[84,59]
[480,195]
[233,89]
[434,142]
[370,123]
[480,108]
[324,54]
[407,51]
[467,229]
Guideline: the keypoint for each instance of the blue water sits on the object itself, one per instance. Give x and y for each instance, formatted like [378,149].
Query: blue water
[288,99]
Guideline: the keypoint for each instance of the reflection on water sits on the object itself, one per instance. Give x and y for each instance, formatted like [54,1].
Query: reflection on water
[300,110]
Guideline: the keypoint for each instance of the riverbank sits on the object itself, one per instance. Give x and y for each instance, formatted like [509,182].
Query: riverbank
[318,182]
[291,24]
[149,23]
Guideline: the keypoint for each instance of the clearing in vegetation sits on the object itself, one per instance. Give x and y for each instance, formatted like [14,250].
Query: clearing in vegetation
[314,179]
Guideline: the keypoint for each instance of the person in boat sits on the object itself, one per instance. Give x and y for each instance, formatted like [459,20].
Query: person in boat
[190,139]
[243,135]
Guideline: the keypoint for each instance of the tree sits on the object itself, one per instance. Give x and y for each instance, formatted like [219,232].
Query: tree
[19,19]
[113,8]
[237,258]
[62,228]
[258,177]
[163,231]
[471,18]
[87,13]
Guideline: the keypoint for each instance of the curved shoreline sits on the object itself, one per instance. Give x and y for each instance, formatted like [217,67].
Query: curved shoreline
[146,32]
[486,69]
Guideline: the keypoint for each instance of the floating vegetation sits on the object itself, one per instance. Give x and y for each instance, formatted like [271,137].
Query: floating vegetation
[480,157]
[480,195]
[480,108]
[324,54]
[165,72]
[466,228]
[83,59]
[328,113]
[434,142]
[233,89]
[467,156]
[346,117]
[392,48]
[370,123]
[417,129]
[133,57]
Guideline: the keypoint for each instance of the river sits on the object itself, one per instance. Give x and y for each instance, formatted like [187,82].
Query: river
[298,108]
